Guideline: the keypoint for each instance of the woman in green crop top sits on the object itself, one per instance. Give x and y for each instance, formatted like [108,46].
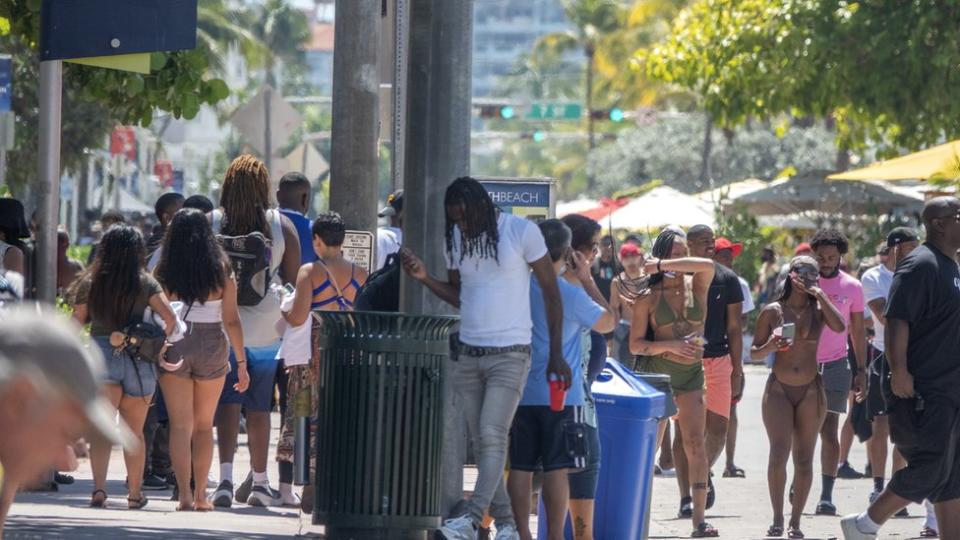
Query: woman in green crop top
[667,332]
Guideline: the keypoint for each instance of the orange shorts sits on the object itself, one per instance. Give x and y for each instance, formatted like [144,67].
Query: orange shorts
[719,394]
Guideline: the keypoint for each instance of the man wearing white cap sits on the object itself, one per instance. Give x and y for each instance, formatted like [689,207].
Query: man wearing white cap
[390,238]
[49,396]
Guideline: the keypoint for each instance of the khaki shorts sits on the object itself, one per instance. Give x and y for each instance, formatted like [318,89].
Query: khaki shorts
[204,351]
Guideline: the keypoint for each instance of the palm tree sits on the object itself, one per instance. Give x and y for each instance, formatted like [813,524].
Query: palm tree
[221,26]
[283,30]
[592,20]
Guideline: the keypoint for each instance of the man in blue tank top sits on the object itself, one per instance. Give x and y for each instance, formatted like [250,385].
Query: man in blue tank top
[293,196]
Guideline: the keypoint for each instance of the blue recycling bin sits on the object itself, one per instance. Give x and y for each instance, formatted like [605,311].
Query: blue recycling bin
[628,411]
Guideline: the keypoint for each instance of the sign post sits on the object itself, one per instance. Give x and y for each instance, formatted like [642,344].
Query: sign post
[358,249]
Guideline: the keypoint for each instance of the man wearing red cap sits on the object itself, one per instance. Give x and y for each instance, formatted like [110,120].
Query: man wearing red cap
[632,259]
[726,252]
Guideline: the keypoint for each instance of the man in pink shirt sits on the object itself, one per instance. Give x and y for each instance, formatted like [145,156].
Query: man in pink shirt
[846,294]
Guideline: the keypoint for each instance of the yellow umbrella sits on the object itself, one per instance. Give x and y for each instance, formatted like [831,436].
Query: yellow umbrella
[939,162]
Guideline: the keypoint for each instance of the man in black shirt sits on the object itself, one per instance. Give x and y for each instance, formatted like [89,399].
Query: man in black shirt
[922,347]
[722,356]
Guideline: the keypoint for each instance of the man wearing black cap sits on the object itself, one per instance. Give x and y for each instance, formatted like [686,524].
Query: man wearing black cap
[390,238]
[876,287]
[922,339]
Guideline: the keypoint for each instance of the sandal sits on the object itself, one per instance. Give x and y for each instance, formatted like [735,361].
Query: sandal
[137,504]
[927,532]
[101,503]
[775,531]
[794,533]
[686,507]
[705,530]
[734,472]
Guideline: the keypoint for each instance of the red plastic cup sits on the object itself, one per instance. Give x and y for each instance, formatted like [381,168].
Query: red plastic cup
[558,394]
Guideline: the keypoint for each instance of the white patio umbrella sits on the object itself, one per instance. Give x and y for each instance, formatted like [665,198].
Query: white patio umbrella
[565,208]
[659,207]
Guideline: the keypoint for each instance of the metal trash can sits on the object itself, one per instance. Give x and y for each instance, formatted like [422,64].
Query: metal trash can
[379,424]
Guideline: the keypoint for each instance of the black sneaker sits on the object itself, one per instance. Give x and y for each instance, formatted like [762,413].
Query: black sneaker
[264,495]
[223,497]
[686,507]
[63,479]
[243,490]
[847,472]
[152,482]
[902,513]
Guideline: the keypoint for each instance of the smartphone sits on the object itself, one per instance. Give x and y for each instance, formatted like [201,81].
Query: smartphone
[789,331]
[289,289]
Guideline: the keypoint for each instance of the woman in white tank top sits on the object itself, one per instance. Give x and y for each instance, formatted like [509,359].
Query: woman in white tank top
[194,270]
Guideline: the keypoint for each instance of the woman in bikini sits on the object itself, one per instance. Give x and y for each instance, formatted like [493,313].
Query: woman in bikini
[794,403]
[331,283]
[667,329]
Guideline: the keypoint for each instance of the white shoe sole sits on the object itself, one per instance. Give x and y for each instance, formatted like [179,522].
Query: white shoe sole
[263,501]
[850,531]
[223,499]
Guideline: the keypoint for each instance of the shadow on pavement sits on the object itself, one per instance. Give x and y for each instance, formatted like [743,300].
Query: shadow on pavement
[42,527]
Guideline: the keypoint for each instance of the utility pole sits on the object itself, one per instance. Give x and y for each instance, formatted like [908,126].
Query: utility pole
[437,150]
[355,132]
[48,188]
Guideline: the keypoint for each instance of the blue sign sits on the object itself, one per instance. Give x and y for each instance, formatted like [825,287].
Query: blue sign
[529,199]
[6,83]
[177,183]
[87,28]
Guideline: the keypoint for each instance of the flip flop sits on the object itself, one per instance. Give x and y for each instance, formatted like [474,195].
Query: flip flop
[734,472]
[927,532]
[775,531]
[794,533]
[137,504]
[705,530]
[94,503]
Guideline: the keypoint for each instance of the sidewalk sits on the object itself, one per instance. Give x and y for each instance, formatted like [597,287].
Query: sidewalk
[742,511]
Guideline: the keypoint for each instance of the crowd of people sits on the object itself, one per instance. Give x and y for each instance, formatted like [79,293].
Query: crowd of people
[203,328]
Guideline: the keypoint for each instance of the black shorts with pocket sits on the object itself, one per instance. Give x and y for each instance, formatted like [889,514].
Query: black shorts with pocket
[541,439]
[876,403]
[928,437]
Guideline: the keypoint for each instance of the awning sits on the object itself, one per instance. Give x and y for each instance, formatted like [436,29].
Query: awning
[933,163]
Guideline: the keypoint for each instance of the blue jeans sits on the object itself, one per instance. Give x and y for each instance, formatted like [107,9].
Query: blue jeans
[137,379]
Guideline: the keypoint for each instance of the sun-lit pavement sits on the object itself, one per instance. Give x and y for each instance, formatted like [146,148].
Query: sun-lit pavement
[742,511]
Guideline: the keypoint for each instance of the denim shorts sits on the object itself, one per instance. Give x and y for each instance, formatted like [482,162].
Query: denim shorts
[262,367]
[137,379]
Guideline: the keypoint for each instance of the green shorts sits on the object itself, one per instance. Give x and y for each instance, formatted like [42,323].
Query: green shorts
[683,377]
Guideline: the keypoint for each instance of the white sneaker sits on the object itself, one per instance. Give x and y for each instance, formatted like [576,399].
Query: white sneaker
[850,531]
[507,532]
[264,495]
[461,528]
[669,473]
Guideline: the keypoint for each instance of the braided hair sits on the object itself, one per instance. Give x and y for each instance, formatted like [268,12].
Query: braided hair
[663,249]
[245,197]
[480,214]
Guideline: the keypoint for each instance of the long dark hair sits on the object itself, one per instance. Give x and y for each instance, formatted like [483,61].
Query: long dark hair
[245,197]
[115,277]
[481,216]
[192,265]
[663,249]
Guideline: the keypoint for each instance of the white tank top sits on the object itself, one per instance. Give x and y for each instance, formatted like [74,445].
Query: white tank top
[210,311]
[259,322]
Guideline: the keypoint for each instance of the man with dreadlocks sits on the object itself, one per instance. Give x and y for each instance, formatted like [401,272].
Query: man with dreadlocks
[489,255]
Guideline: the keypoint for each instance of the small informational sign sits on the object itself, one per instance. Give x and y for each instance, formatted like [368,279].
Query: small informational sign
[177,183]
[531,198]
[6,82]
[358,249]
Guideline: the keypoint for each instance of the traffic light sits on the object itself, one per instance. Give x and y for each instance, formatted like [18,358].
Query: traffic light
[505,112]
[615,114]
[536,136]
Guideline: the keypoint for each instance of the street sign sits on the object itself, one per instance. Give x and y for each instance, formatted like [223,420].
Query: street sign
[6,82]
[358,249]
[555,111]
[91,28]
[250,122]
[531,198]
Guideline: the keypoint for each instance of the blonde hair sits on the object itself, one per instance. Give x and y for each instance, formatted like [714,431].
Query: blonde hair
[245,197]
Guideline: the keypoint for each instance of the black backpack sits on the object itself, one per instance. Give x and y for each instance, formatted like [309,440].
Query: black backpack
[381,292]
[250,257]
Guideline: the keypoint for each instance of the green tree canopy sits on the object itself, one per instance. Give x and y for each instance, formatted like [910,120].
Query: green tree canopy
[886,71]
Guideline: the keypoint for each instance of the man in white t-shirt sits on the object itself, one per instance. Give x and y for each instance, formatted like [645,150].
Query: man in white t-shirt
[489,256]
[876,288]
[390,238]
